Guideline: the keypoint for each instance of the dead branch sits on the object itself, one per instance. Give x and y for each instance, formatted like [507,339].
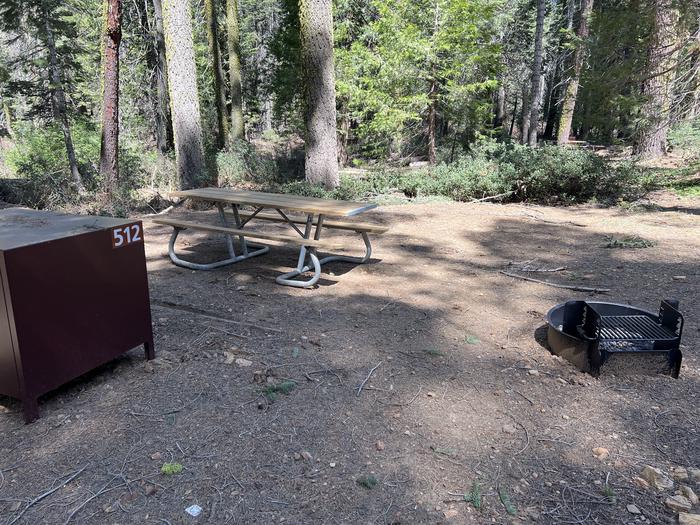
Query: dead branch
[555,285]
[359,388]
[209,315]
[47,494]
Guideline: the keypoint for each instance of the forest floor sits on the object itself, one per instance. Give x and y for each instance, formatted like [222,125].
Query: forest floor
[462,393]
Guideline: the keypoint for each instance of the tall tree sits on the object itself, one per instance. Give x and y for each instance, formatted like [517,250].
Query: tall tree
[164,124]
[234,66]
[184,95]
[536,80]
[316,26]
[651,139]
[569,101]
[210,13]
[109,152]
[58,101]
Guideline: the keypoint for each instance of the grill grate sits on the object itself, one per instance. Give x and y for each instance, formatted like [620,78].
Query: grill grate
[633,328]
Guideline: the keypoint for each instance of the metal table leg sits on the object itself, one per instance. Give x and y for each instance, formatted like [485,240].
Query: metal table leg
[286,279]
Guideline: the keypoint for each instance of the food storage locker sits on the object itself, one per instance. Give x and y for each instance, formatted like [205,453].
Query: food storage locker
[73,296]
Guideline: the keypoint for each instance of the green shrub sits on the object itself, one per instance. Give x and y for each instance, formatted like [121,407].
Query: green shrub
[685,139]
[39,159]
[240,162]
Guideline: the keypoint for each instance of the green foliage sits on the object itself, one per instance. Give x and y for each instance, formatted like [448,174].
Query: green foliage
[474,496]
[271,391]
[240,162]
[633,241]
[505,499]
[367,481]
[685,139]
[170,469]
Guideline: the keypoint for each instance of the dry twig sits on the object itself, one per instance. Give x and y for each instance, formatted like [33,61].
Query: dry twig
[555,285]
[359,388]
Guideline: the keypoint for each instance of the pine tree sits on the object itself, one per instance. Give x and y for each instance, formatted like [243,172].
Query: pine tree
[109,152]
[651,140]
[184,94]
[164,123]
[219,82]
[535,85]
[316,25]
[569,101]
[234,66]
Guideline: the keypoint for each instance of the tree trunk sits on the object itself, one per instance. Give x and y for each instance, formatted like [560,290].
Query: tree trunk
[7,114]
[536,93]
[512,120]
[569,102]
[432,115]
[184,95]
[58,103]
[109,151]
[219,82]
[164,124]
[316,25]
[234,66]
[651,140]
[499,112]
[525,114]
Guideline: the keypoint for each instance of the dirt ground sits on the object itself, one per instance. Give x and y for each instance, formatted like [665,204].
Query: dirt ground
[462,395]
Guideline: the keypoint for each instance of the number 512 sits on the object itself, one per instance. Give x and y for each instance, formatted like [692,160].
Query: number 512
[125,235]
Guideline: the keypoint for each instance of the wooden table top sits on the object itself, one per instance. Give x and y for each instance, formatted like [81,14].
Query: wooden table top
[296,203]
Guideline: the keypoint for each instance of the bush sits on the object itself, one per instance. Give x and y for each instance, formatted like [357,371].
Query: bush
[39,158]
[685,139]
[240,162]
[548,174]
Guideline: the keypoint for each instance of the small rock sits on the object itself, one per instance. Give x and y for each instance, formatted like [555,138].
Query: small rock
[259,377]
[379,445]
[690,494]
[680,474]
[332,465]
[243,362]
[230,358]
[306,455]
[533,372]
[297,456]
[633,509]
[108,509]
[641,483]
[151,490]
[601,453]
[694,474]
[678,503]
[656,478]
[430,394]
[509,429]
[156,456]
[688,519]
[564,416]
[451,513]
[562,381]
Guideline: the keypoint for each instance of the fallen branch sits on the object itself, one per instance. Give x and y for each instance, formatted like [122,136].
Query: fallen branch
[359,388]
[555,285]
[209,315]
[527,269]
[47,494]
[162,212]
[506,194]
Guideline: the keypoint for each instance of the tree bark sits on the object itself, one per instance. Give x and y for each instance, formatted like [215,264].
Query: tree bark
[651,140]
[219,82]
[525,114]
[109,151]
[7,114]
[536,88]
[58,103]
[234,67]
[164,124]
[499,108]
[184,94]
[432,117]
[569,102]
[316,25]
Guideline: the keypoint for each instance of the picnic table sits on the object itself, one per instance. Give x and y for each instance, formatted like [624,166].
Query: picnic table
[307,226]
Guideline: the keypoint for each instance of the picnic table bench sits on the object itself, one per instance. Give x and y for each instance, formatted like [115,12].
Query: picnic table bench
[313,221]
